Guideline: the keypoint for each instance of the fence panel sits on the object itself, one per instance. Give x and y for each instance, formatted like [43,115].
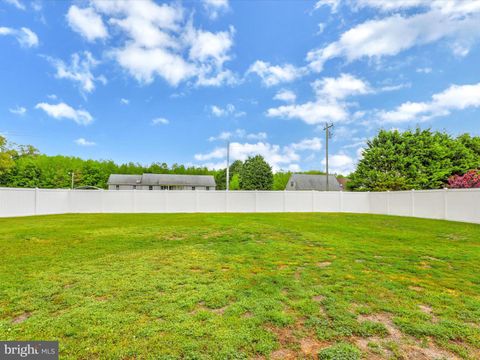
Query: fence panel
[241,201]
[327,201]
[150,201]
[211,201]
[401,203]
[463,205]
[460,205]
[52,201]
[17,202]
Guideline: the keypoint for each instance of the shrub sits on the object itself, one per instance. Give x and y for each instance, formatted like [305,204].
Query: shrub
[467,181]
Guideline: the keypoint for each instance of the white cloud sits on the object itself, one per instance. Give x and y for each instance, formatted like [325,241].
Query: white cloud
[279,157]
[329,105]
[52,96]
[124,101]
[456,97]
[25,36]
[425,70]
[332,4]
[19,110]
[87,23]
[239,134]
[143,64]
[215,7]
[340,164]
[159,40]
[65,111]
[285,95]
[314,144]
[84,142]
[340,87]
[396,33]
[311,112]
[79,71]
[19,5]
[228,110]
[275,74]
[160,121]
[388,5]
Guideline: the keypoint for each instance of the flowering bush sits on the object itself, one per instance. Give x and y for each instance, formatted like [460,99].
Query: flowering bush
[470,180]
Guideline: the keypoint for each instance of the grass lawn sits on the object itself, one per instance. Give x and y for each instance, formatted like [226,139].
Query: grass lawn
[237,286]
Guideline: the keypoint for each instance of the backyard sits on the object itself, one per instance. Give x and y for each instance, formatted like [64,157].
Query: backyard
[235,286]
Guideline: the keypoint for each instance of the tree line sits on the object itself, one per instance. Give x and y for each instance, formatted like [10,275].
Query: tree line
[392,160]
[25,166]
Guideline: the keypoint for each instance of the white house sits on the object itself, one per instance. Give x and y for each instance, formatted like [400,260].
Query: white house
[161,182]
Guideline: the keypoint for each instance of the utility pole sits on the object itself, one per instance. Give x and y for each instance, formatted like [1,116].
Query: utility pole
[228,165]
[73,175]
[327,136]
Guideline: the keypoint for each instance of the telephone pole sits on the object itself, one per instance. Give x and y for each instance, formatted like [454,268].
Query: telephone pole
[228,165]
[73,176]
[328,134]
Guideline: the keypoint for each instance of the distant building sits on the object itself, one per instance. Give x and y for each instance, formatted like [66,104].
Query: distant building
[313,182]
[161,182]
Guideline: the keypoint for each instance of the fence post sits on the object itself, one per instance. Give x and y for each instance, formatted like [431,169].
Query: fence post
[35,210]
[226,200]
[313,200]
[445,203]
[102,201]
[340,199]
[166,200]
[388,202]
[196,200]
[134,200]
[413,202]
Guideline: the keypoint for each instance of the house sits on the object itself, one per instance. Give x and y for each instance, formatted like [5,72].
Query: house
[313,182]
[161,182]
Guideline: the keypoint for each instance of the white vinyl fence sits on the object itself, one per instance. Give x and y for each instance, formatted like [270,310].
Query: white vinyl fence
[458,204]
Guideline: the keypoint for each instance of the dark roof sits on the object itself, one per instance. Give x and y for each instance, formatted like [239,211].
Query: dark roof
[162,179]
[312,182]
[118,179]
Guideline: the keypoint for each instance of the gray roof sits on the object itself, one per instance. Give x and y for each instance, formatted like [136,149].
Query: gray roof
[118,179]
[162,179]
[312,182]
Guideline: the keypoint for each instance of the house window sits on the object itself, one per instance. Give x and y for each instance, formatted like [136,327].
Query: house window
[134,187]
[117,187]
[164,187]
[193,187]
[208,188]
[150,187]
[171,187]
[292,183]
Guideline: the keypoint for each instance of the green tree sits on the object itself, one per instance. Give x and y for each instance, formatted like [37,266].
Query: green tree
[256,174]
[280,180]
[7,156]
[235,168]
[418,159]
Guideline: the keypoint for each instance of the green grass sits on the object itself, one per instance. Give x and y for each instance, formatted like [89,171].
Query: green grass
[235,286]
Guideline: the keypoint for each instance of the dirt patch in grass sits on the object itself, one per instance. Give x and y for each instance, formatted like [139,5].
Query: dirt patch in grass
[386,320]
[283,354]
[324,264]
[416,288]
[310,347]
[21,318]
[319,298]
[408,347]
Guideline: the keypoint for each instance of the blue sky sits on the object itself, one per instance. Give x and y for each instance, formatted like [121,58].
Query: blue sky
[147,81]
